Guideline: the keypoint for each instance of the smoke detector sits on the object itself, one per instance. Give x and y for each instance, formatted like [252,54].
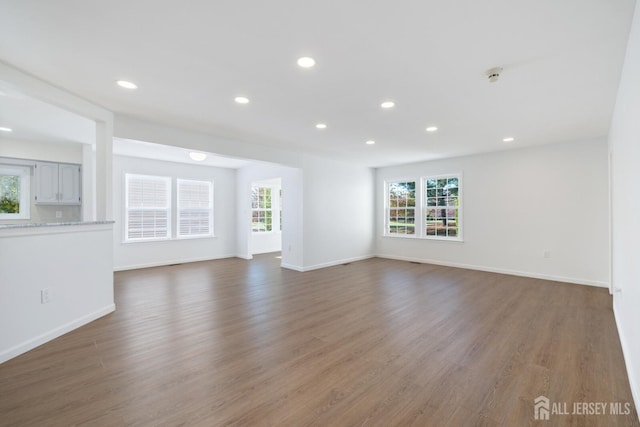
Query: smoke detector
[493,74]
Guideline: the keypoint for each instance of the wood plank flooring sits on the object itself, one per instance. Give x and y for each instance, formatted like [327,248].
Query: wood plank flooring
[373,343]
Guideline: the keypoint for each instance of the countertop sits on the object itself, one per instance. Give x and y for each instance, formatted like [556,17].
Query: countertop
[53,224]
[35,229]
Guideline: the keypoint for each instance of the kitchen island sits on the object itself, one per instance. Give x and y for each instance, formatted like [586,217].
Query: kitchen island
[54,277]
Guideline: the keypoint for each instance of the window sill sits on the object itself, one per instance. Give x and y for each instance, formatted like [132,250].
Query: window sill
[171,239]
[208,236]
[439,239]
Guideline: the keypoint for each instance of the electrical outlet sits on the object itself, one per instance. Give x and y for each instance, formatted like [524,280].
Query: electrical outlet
[58,214]
[546,254]
[45,296]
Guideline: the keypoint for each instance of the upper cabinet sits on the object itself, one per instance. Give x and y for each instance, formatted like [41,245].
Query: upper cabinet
[58,183]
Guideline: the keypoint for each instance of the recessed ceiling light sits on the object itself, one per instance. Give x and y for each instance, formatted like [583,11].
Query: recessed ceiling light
[509,139]
[198,157]
[370,142]
[388,104]
[127,85]
[321,126]
[3,129]
[242,100]
[431,129]
[306,62]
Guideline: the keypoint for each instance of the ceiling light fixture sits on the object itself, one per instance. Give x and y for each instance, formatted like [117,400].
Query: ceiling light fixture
[388,104]
[493,74]
[509,139]
[127,85]
[431,129]
[241,99]
[198,157]
[321,126]
[306,62]
[370,142]
[4,129]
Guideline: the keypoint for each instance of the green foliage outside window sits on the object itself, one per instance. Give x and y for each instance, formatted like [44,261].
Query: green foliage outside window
[9,194]
[262,213]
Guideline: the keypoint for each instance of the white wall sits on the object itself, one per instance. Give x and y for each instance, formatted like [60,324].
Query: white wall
[145,254]
[516,205]
[292,209]
[73,262]
[624,144]
[50,152]
[338,212]
[315,239]
[45,151]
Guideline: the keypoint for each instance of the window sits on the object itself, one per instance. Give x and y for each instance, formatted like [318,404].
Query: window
[261,210]
[14,192]
[280,204]
[402,208]
[147,207]
[437,214]
[195,208]
[442,214]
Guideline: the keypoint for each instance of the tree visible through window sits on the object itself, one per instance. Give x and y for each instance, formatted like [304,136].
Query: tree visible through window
[402,208]
[442,206]
[14,192]
[9,194]
[261,209]
[428,207]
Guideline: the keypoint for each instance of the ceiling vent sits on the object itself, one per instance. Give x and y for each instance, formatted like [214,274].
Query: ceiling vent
[494,74]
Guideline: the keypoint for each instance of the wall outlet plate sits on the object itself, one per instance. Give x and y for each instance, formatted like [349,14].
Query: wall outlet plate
[45,296]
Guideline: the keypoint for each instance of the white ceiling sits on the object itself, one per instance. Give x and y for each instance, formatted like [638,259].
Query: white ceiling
[561,60]
[34,120]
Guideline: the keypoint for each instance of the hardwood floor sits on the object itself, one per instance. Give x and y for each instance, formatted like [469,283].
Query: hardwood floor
[372,343]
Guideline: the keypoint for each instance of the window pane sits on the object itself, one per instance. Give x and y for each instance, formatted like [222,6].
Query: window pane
[442,203]
[9,194]
[262,211]
[148,204]
[195,208]
[401,195]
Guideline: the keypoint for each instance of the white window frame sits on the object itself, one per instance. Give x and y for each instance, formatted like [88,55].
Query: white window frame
[179,209]
[275,209]
[421,207]
[168,207]
[423,203]
[265,210]
[24,172]
[387,209]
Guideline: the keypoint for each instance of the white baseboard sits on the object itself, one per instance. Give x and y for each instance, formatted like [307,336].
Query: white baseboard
[326,264]
[635,392]
[244,256]
[54,333]
[292,267]
[499,270]
[170,262]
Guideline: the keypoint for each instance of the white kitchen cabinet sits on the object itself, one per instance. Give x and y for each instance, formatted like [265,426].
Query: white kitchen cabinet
[58,183]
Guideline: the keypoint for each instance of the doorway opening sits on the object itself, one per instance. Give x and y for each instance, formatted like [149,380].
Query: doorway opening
[266,216]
